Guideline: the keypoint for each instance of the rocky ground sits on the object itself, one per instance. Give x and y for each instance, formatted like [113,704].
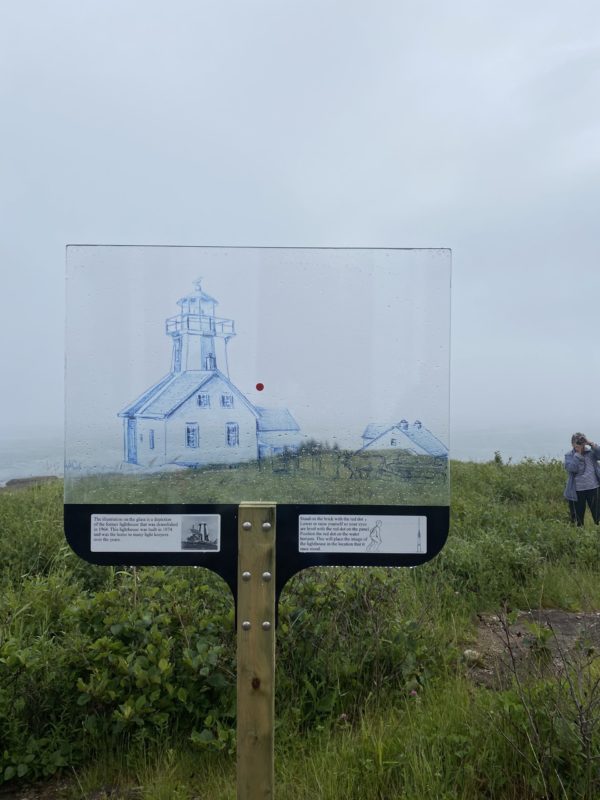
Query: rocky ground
[531,643]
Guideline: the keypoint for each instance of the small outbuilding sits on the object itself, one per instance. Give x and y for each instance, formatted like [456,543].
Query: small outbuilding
[413,438]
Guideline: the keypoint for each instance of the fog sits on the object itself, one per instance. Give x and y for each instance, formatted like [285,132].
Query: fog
[466,125]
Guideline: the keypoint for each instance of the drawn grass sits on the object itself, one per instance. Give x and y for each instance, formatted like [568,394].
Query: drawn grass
[321,478]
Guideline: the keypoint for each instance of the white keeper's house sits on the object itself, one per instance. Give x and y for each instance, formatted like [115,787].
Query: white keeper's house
[195,415]
[414,438]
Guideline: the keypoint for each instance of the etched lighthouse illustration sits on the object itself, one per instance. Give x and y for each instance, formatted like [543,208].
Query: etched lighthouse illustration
[195,415]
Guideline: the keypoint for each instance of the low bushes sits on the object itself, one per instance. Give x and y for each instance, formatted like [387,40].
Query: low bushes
[152,655]
[94,658]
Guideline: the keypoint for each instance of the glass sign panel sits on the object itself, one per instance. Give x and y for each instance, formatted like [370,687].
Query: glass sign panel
[223,375]
[200,378]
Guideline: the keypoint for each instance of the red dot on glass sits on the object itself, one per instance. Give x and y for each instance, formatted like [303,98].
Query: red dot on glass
[260,387]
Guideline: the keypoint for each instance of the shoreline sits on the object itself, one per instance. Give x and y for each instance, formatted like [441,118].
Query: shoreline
[26,483]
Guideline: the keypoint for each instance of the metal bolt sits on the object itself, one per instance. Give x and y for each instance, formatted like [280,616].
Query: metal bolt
[266,626]
[266,576]
[246,576]
[246,526]
[266,526]
[246,625]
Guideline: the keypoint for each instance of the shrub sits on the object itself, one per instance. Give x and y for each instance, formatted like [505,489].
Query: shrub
[94,657]
[344,642]
[154,654]
[160,655]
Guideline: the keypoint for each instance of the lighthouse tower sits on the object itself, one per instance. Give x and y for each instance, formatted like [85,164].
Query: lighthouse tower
[199,337]
[195,415]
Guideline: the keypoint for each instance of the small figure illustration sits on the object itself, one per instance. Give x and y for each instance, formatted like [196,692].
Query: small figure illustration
[375,538]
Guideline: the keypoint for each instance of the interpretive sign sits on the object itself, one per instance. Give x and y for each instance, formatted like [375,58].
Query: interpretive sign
[155,533]
[199,378]
[303,423]
[352,533]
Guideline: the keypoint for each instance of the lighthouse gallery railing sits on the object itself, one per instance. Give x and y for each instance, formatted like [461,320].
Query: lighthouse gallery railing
[200,323]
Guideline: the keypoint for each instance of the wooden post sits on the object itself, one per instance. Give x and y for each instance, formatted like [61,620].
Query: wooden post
[255,651]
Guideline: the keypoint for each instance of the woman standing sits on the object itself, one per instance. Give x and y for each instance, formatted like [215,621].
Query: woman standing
[583,483]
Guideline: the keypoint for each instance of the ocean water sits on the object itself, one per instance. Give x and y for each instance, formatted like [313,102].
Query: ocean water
[26,457]
[513,444]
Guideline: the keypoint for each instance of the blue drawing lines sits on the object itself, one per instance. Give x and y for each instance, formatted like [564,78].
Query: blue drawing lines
[415,439]
[195,415]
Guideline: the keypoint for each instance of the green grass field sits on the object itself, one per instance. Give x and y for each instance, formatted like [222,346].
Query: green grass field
[122,681]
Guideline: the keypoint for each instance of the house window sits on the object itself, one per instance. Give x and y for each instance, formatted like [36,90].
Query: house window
[151,439]
[233,434]
[177,354]
[226,401]
[204,400]
[191,434]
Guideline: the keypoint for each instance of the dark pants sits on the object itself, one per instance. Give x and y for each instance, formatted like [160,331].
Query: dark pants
[577,507]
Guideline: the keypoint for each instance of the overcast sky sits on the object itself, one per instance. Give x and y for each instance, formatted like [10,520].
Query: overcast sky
[468,125]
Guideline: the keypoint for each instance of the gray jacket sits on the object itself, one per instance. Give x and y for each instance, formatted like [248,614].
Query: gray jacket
[575,465]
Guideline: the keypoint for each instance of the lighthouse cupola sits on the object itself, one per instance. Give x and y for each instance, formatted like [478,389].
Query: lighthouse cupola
[199,337]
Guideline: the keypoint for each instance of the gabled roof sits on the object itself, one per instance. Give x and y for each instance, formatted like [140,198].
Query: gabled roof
[133,408]
[375,429]
[163,399]
[276,419]
[415,434]
[425,439]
